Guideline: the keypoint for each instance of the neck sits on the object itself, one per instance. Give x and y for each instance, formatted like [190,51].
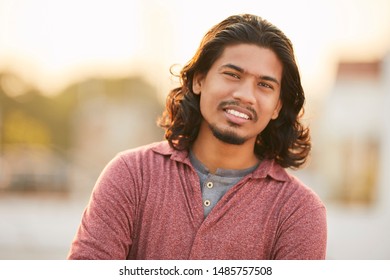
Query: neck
[215,154]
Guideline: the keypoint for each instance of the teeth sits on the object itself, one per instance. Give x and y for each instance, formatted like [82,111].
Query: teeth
[237,114]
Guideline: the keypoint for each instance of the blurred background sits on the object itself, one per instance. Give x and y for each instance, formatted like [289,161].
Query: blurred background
[81,80]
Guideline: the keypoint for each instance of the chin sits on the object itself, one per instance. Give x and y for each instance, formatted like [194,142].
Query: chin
[227,136]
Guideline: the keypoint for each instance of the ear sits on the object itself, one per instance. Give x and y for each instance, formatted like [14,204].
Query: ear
[197,82]
[277,110]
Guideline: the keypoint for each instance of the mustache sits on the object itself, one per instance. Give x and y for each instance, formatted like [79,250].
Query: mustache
[223,104]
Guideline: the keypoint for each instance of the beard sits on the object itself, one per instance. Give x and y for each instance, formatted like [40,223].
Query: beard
[227,136]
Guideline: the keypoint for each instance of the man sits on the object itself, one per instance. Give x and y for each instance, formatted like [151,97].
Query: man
[217,188]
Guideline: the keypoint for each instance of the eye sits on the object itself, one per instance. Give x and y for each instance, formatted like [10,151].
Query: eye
[265,85]
[231,74]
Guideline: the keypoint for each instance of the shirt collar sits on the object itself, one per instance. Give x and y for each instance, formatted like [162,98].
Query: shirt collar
[165,149]
[267,167]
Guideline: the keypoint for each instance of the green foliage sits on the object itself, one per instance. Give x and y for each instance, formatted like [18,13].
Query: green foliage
[31,118]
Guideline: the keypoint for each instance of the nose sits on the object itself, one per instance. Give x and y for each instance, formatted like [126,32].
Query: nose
[245,92]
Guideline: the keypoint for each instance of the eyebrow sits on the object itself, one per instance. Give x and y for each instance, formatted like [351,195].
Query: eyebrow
[241,70]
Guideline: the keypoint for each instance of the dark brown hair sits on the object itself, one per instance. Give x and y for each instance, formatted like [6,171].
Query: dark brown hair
[284,139]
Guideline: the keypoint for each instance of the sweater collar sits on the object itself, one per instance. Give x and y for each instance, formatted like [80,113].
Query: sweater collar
[267,167]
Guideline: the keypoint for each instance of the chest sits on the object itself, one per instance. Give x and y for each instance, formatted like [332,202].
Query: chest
[170,222]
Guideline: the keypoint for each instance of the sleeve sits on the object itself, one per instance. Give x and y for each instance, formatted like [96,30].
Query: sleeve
[107,222]
[303,234]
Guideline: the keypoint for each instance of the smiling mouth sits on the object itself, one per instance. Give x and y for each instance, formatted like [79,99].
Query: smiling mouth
[238,114]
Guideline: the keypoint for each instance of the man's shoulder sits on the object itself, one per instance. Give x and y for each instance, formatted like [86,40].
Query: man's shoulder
[293,187]
[151,153]
[161,147]
[302,192]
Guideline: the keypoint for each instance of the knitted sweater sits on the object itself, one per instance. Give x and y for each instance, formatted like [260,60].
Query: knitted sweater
[147,204]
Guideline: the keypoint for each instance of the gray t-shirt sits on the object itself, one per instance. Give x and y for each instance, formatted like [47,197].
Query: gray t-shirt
[214,186]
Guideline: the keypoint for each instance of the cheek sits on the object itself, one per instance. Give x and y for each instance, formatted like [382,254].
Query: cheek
[208,99]
[206,104]
[268,108]
[271,102]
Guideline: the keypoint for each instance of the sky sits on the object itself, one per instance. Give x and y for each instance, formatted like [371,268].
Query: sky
[51,43]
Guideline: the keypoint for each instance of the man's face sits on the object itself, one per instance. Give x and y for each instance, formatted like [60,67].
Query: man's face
[240,94]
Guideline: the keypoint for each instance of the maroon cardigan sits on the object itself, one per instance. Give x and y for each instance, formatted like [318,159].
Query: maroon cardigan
[147,204]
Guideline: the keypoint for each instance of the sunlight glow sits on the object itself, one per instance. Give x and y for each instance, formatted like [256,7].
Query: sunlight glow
[54,42]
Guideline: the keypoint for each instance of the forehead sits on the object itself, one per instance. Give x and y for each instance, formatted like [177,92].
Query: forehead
[252,59]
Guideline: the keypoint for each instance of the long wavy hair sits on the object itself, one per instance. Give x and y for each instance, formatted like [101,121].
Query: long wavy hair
[285,139]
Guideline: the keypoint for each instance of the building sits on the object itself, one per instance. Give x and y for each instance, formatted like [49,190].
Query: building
[351,159]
